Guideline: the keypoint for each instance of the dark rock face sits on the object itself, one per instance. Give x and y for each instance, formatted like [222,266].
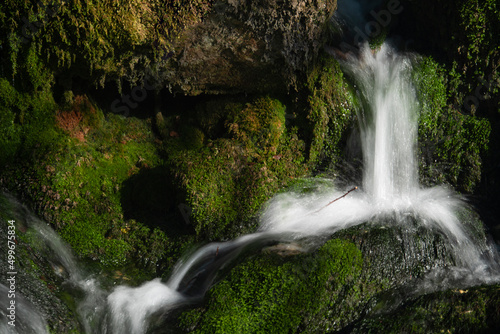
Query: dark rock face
[249,46]
[395,256]
[398,253]
[473,310]
[404,264]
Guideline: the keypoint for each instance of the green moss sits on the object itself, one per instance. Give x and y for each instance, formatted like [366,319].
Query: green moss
[452,145]
[94,40]
[329,112]
[480,24]
[469,47]
[377,41]
[77,187]
[27,114]
[226,179]
[259,126]
[270,294]
[86,187]
[192,137]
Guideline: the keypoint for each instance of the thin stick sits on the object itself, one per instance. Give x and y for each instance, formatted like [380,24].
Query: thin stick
[347,193]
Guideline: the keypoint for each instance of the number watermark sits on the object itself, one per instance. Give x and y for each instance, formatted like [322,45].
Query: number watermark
[11,274]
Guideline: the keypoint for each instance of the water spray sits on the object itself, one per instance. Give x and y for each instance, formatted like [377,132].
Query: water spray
[347,193]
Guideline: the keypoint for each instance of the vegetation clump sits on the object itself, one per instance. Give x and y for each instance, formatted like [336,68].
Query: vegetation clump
[225,179]
[77,188]
[469,47]
[92,40]
[27,121]
[452,145]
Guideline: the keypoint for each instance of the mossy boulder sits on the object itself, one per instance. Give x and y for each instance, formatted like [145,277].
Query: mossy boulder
[192,47]
[260,47]
[274,294]
[225,179]
[95,41]
[329,113]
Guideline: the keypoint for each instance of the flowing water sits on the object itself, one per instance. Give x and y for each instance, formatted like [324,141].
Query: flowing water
[388,127]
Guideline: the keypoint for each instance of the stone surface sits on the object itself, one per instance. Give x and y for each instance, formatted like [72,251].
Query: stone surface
[248,46]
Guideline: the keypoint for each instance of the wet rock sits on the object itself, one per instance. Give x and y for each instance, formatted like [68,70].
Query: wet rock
[472,310]
[39,278]
[243,46]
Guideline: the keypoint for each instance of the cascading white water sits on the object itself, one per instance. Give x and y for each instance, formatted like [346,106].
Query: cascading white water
[131,307]
[388,124]
[388,128]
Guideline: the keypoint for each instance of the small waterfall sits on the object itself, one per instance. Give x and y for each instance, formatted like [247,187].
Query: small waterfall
[387,121]
[388,124]
[388,133]
[387,116]
[130,308]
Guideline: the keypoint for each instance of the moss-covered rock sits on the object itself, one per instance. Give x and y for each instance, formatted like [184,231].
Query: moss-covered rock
[468,44]
[330,115]
[95,41]
[27,114]
[225,179]
[77,186]
[452,145]
[271,294]
[189,46]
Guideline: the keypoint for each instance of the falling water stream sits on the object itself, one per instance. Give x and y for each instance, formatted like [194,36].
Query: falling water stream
[388,128]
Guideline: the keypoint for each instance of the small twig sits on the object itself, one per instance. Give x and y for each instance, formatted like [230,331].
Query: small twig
[347,193]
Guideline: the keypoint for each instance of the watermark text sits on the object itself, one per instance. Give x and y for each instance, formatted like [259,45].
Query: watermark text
[11,274]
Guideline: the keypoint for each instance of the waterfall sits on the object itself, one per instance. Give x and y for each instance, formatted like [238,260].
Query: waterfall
[388,133]
[388,124]
[388,115]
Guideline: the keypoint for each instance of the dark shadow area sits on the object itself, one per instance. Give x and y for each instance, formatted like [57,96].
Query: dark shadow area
[149,198]
[488,198]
